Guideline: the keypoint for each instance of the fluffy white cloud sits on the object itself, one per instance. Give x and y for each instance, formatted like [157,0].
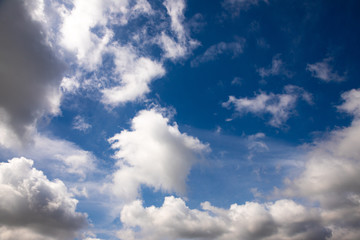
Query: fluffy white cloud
[279,106]
[32,207]
[324,71]
[331,175]
[30,73]
[277,68]
[283,219]
[233,48]
[153,153]
[135,74]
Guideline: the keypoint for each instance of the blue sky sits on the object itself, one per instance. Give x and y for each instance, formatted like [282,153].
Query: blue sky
[174,119]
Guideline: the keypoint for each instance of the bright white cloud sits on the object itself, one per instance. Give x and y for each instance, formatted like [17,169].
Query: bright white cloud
[278,106]
[153,153]
[331,175]
[283,219]
[135,75]
[324,71]
[32,207]
[276,68]
[232,48]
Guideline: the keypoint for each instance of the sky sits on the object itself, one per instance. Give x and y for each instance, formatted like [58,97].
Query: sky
[179,120]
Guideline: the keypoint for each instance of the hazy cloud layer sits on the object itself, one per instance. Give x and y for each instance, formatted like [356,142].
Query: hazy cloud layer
[234,7]
[154,153]
[34,206]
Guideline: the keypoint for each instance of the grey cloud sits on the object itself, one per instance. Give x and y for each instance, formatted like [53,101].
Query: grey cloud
[331,175]
[30,72]
[33,204]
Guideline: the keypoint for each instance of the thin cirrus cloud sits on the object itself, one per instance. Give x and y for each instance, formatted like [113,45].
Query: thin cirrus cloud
[234,49]
[32,207]
[324,71]
[154,153]
[279,106]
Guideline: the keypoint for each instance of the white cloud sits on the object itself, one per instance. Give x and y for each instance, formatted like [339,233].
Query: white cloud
[30,74]
[283,219]
[32,207]
[277,68]
[153,153]
[182,43]
[233,48]
[331,175]
[279,106]
[80,124]
[236,6]
[135,72]
[60,157]
[324,71]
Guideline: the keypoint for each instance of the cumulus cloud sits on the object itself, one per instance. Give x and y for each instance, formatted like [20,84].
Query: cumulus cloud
[324,71]
[236,6]
[279,106]
[32,207]
[276,68]
[331,175]
[154,153]
[283,219]
[30,73]
[233,48]
[135,74]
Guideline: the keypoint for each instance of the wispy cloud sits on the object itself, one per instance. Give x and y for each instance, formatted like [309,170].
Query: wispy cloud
[325,71]
[230,48]
[234,7]
[80,124]
[279,106]
[276,68]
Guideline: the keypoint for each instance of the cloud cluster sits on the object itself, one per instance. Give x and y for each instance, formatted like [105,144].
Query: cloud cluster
[278,106]
[233,48]
[324,71]
[154,153]
[331,175]
[283,219]
[32,207]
